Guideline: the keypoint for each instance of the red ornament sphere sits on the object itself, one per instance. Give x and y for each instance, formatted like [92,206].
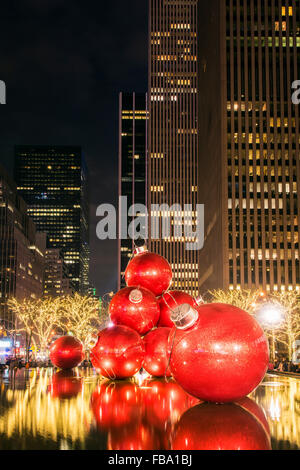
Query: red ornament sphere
[157,352]
[214,427]
[222,357]
[168,302]
[65,385]
[136,308]
[66,352]
[119,352]
[150,271]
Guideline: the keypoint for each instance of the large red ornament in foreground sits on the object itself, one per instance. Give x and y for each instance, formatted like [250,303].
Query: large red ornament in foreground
[223,354]
[119,352]
[150,271]
[157,352]
[169,301]
[66,352]
[214,427]
[136,308]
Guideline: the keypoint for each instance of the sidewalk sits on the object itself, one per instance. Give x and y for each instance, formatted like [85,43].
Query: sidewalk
[284,374]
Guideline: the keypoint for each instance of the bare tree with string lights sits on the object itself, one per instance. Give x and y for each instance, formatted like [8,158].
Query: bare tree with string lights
[246,299]
[81,317]
[38,318]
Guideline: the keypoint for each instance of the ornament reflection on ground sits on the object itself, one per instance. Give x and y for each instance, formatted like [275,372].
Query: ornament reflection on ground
[43,410]
[221,427]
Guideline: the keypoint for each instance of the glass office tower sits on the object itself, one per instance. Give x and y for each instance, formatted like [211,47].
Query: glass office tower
[53,182]
[133,117]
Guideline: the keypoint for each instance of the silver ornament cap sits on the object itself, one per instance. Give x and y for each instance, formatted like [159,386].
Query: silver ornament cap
[199,300]
[136,296]
[140,249]
[184,316]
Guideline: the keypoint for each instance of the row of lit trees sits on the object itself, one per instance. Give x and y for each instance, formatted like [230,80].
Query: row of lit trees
[278,313]
[41,319]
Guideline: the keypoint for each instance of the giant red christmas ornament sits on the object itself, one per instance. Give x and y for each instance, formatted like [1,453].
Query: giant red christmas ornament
[66,352]
[214,427]
[119,352]
[157,352]
[168,302]
[136,308]
[65,384]
[220,353]
[149,270]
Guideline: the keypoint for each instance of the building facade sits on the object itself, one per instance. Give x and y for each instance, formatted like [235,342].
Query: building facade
[249,169]
[57,281]
[53,182]
[172,137]
[21,251]
[133,119]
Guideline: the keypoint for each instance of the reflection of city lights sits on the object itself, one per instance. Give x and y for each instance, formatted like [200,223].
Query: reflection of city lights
[274,409]
[140,377]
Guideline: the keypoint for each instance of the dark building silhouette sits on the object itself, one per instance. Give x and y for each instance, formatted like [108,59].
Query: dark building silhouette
[22,251]
[133,116]
[53,182]
[249,169]
[57,282]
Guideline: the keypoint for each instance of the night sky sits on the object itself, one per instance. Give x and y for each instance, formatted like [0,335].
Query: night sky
[64,63]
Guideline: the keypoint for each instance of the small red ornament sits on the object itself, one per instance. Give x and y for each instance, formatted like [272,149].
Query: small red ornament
[157,352]
[150,271]
[221,356]
[136,308]
[214,427]
[65,384]
[119,352]
[168,302]
[66,352]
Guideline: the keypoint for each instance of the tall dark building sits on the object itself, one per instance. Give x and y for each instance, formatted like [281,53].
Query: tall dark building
[173,141]
[133,116]
[249,169]
[53,182]
[57,282]
[22,251]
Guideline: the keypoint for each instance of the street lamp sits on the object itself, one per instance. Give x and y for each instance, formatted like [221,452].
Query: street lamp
[271,315]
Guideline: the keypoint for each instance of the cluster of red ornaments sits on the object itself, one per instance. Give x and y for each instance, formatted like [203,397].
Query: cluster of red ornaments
[216,352]
[134,341]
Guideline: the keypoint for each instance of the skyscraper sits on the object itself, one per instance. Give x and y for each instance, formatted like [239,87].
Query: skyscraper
[133,117]
[249,169]
[173,143]
[53,182]
[22,251]
[57,282]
